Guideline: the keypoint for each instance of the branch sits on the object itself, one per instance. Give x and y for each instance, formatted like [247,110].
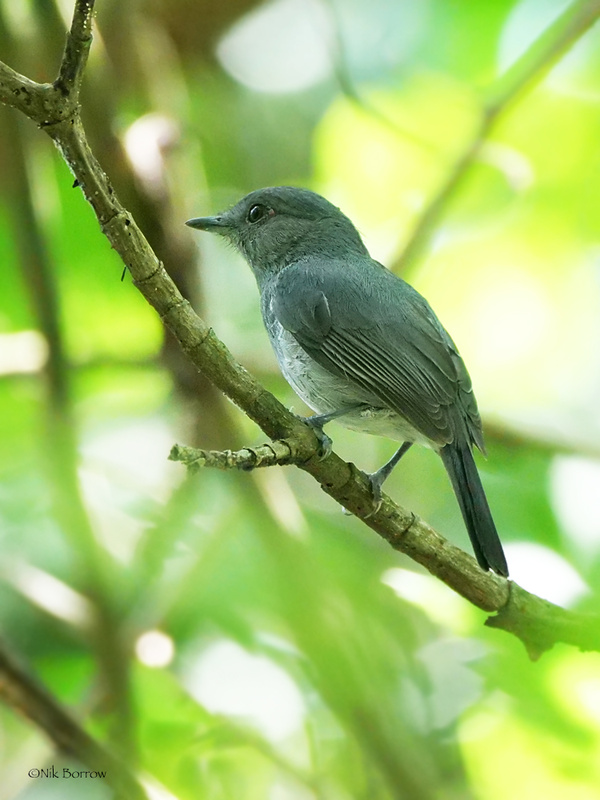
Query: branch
[528,70]
[49,103]
[19,92]
[277,453]
[77,48]
[538,623]
[21,691]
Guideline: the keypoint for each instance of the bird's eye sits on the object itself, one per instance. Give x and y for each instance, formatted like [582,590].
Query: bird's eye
[256,212]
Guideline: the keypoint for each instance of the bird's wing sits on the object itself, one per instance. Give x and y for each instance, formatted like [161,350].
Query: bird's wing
[360,321]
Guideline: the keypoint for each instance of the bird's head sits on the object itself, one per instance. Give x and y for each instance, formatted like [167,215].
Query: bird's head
[280,225]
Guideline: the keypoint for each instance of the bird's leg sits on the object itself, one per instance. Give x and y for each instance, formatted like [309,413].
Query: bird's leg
[376,479]
[317,421]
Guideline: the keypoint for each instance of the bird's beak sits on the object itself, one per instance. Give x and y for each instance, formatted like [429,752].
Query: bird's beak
[217,224]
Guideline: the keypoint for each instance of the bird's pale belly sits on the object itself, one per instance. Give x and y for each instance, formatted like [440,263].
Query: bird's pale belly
[325,392]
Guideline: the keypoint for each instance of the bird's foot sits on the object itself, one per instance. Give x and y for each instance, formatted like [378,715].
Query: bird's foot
[325,443]
[317,421]
[375,481]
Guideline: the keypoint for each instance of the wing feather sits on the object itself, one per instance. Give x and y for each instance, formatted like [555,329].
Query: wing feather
[362,322]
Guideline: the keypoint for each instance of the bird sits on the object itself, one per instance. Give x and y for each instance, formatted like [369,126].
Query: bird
[358,344]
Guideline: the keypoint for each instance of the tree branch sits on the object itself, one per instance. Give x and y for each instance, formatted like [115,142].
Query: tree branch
[528,70]
[49,103]
[77,48]
[277,453]
[19,92]
[538,623]
[21,691]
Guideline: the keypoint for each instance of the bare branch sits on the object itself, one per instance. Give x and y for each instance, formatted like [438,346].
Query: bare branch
[47,103]
[22,692]
[19,92]
[276,453]
[79,40]
[540,624]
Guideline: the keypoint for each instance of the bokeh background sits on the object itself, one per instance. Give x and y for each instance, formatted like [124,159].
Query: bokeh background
[238,636]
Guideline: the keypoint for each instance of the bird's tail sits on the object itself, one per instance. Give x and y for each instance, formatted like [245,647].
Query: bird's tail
[460,466]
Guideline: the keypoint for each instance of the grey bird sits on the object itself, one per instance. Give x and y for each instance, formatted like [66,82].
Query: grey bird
[359,344]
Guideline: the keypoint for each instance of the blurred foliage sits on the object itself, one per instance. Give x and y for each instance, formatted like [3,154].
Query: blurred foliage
[237,636]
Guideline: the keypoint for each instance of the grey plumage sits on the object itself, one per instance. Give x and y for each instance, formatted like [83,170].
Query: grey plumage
[349,334]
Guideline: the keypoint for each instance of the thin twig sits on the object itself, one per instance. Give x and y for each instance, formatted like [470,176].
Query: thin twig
[77,47]
[276,453]
[22,93]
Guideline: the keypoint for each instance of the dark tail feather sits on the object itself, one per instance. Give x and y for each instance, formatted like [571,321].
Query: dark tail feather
[460,466]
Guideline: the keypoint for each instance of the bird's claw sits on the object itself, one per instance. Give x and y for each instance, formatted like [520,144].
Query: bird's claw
[325,443]
[375,483]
